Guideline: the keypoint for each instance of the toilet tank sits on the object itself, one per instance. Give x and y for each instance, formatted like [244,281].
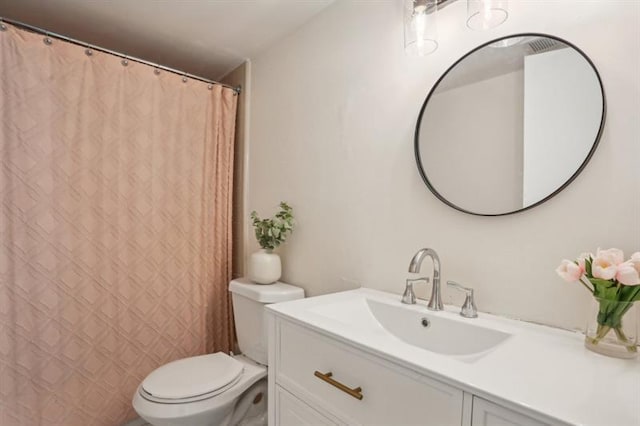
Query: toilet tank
[248,312]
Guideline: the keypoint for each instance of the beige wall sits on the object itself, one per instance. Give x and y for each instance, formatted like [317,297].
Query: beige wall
[474,132]
[240,77]
[333,111]
[555,132]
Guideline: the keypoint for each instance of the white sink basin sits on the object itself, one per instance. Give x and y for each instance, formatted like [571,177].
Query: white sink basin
[446,333]
[434,332]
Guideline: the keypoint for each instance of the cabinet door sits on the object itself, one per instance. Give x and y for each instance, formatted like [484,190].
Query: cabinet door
[486,413]
[293,412]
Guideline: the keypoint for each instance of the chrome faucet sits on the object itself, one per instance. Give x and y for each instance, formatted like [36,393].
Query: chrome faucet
[435,302]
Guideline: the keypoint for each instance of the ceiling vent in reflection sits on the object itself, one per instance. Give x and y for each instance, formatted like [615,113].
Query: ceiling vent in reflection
[543,44]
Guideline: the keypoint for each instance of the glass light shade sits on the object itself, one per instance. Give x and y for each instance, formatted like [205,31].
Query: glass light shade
[486,14]
[506,42]
[420,30]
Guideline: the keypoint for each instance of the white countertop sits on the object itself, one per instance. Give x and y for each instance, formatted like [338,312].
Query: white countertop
[543,369]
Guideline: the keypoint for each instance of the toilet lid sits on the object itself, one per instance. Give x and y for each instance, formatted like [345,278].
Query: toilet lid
[190,377]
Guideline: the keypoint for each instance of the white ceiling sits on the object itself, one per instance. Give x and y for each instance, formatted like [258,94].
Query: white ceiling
[203,37]
[492,61]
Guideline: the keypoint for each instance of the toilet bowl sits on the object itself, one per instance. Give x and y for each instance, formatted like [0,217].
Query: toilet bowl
[218,389]
[215,407]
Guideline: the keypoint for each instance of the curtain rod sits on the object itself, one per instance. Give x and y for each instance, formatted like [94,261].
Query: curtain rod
[21,25]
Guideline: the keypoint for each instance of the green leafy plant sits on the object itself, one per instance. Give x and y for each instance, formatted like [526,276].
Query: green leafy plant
[272,232]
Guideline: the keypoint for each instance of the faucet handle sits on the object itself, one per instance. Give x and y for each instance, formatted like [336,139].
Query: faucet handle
[459,287]
[469,309]
[409,297]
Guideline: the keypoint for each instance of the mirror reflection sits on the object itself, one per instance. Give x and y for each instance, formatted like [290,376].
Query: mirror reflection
[510,125]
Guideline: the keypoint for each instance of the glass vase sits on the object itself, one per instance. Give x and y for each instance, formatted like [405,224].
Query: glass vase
[612,328]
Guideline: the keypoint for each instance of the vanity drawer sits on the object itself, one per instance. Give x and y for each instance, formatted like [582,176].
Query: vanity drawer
[388,394]
[293,412]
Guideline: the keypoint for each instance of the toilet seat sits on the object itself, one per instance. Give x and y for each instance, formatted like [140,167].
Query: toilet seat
[192,379]
[200,410]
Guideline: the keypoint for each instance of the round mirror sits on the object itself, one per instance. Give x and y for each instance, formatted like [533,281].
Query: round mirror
[510,124]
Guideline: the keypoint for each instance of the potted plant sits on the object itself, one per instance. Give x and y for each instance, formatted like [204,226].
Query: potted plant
[264,265]
[612,328]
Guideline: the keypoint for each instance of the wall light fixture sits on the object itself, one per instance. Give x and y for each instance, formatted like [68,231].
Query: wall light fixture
[421,21]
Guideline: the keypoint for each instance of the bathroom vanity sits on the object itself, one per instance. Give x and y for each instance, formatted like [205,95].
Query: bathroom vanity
[361,357]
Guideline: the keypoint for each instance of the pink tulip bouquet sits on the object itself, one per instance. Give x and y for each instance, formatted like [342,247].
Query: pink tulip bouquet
[614,282]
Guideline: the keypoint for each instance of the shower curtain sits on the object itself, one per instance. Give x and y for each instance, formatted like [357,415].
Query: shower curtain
[115,228]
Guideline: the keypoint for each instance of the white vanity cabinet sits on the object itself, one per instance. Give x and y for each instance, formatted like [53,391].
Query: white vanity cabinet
[315,379]
[342,385]
[362,357]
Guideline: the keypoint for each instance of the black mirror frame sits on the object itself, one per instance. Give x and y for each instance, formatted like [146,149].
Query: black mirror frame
[564,185]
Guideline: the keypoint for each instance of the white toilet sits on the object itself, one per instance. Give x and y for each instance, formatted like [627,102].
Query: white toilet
[218,389]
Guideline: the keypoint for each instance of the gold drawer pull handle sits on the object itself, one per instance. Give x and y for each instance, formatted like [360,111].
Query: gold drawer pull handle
[356,392]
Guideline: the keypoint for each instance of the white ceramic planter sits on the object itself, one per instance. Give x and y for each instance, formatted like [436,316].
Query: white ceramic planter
[264,267]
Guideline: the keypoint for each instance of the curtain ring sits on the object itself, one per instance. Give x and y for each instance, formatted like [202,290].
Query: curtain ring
[47,40]
[3,27]
[184,79]
[124,62]
[156,71]
[88,52]
[210,86]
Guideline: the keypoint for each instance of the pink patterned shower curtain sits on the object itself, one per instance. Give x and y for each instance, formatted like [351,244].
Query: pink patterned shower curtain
[115,228]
